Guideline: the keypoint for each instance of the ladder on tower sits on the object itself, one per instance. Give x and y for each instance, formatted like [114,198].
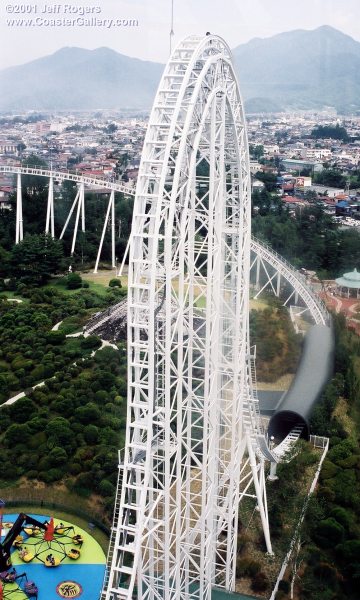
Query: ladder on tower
[114,527]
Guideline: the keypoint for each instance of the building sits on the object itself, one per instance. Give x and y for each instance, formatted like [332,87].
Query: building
[291,164]
[349,284]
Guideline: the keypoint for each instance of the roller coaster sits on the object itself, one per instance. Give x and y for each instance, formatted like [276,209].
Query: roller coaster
[196,445]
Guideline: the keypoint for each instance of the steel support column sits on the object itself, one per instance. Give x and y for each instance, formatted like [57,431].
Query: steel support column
[19,233]
[49,226]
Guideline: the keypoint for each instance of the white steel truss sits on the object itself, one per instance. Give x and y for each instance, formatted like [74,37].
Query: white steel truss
[192,421]
[270,279]
[267,265]
[68,176]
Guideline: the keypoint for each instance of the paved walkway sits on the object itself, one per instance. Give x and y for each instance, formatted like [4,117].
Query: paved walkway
[104,344]
[348,306]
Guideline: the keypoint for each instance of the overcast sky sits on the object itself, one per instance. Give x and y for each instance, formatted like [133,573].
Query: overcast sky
[236,20]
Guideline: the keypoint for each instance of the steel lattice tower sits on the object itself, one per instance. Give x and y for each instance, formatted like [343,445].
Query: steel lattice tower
[193,426]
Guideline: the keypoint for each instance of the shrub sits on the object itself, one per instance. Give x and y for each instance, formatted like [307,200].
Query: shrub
[284,586]
[91,342]
[73,281]
[328,470]
[57,456]
[115,283]
[260,582]
[280,595]
[55,337]
[91,434]
[341,451]
[88,414]
[329,532]
[52,475]
[325,572]
[247,567]
[342,516]
[106,488]
[349,551]
[32,474]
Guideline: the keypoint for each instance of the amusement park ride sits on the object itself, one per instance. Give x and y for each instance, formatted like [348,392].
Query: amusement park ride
[196,445]
[28,539]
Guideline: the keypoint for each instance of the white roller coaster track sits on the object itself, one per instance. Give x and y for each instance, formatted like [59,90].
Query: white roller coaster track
[191,410]
[69,176]
[176,512]
[283,268]
[263,252]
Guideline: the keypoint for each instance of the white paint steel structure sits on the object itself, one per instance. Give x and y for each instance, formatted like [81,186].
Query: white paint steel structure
[79,202]
[191,414]
[68,176]
[19,231]
[265,256]
[49,226]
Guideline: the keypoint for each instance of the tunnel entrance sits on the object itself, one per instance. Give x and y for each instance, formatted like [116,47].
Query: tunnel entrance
[284,421]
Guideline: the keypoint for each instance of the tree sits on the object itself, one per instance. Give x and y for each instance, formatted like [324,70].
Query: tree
[330,131]
[257,151]
[269,180]
[330,177]
[36,258]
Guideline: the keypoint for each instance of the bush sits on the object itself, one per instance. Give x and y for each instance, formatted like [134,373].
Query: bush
[260,582]
[55,337]
[342,516]
[284,586]
[280,595]
[106,488]
[54,474]
[73,281]
[115,283]
[329,532]
[90,343]
[247,567]
[91,434]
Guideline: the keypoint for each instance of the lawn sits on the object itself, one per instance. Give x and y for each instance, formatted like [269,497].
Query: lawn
[59,283]
[103,276]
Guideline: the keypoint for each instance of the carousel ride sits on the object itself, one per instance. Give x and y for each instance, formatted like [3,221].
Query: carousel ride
[28,539]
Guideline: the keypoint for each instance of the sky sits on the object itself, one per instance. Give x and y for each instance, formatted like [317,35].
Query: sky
[140,28]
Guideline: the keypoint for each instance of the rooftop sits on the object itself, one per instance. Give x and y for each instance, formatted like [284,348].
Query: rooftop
[350,280]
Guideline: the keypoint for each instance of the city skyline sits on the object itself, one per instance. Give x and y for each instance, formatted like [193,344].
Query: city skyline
[142,31]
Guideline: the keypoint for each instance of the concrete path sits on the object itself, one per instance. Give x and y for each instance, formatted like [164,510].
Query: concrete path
[104,344]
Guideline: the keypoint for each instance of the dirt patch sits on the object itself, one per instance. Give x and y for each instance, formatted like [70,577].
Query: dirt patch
[281,384]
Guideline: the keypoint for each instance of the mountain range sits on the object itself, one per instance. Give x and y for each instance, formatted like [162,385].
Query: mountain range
[294,70]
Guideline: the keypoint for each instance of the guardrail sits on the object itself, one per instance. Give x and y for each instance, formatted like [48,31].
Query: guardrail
[296,279]
[77,177]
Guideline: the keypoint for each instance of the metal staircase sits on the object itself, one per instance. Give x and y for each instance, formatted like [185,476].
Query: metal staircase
[114,526]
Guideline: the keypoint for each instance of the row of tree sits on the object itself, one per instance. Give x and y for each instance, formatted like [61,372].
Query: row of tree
[70,428]
[330,544]
[35,194]
[308,238]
